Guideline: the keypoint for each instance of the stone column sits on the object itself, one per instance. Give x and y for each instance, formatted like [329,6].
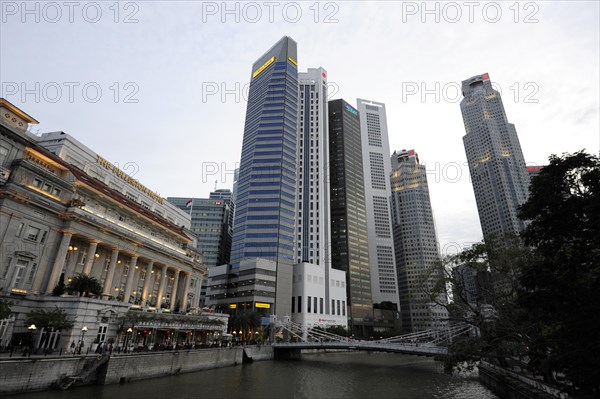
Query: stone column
[110,273]
[130,276]
[198,292]
[161,287]
[186,287]
[59,261]
[174,290]
[147,282]
[89,261]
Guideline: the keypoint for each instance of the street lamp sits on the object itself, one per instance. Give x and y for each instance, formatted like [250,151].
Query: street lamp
[83,331]
[129,331]
[31,329]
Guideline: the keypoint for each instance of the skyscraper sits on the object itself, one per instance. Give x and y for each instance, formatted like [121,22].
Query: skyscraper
[498,171]
[377,169]
[211,224]
[319,293]
[415,243]
[266,197]
[349,236]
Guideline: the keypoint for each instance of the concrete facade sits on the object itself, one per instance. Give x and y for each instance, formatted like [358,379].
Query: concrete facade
[58,222]
[377,168]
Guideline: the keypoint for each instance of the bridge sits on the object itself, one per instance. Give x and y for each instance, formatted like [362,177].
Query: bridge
[422,343]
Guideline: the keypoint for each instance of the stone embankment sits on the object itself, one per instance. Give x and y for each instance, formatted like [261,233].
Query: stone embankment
[41,373]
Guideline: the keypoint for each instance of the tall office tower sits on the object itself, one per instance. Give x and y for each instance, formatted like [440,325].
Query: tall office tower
[496,163]
[265,217]
[319,293]
[349,236]
[415,244]
[377,169]
[226,195]
[211,220]
[313,174]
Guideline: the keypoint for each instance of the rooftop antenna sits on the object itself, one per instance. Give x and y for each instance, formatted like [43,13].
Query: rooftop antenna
[216,185]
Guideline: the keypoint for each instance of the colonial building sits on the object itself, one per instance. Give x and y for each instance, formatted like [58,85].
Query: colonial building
[65,211]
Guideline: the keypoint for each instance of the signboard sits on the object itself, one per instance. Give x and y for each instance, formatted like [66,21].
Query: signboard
[262,305]
[263,67]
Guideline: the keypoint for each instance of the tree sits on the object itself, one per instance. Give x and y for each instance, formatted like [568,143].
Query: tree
[491,307]
[562,283]
[4,309]
[59,289]
[49,320]
[84,285]
[245,320]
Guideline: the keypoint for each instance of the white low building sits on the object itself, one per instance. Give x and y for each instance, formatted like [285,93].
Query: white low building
[318,301]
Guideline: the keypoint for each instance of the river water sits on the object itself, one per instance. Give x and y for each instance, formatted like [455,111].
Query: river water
[327,375]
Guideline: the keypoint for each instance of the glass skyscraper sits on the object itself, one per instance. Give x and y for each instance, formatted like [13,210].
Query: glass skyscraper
[498,171]
[349,236]
[266,200]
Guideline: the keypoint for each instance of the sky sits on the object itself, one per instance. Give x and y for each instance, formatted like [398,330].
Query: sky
[161,86]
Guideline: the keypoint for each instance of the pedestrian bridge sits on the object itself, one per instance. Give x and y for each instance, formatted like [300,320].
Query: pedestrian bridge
[422,343]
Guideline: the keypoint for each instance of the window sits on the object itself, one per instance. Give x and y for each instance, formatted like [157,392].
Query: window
[308,304]
[102,333]
[299,304]
[37,183]
[33,233]
[20,268]
[44,235]
[56,192]
[293,304]
[19,230]
[315,303]
[321,305]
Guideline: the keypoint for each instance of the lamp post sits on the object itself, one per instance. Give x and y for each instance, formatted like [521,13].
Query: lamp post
[83,331]
[129,331]
[31,329]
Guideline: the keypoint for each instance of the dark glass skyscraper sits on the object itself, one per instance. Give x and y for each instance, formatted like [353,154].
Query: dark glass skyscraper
[349,238]
[266,200]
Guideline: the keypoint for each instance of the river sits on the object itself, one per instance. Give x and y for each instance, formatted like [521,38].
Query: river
[326,375]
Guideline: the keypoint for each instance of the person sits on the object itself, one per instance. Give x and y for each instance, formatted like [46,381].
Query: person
[73,347]
[81,347]
[110,348]
[103,350]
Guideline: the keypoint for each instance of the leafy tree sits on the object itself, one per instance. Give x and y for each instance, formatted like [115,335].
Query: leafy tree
[59,289]
[492,308]
[4,309]
[84,285]
[49,320]
[245,320]
[562,283]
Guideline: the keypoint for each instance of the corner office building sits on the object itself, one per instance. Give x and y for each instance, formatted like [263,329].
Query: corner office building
[377,168]
[498,171]
[349,236]
[265,217]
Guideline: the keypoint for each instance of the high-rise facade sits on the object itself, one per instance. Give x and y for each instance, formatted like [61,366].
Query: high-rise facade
[266,198]
[319,293]
[415,244]
[349,236]
[498,171]
[211,224]
[377,169]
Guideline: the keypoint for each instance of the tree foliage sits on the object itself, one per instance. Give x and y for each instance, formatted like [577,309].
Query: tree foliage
[245,320]
[4,309]
[55,319]
[59,289]
[84,285]
[562,283]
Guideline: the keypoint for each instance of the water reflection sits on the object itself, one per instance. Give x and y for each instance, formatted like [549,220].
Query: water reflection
[339,375]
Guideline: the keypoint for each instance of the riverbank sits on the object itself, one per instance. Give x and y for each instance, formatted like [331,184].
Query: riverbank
[20,375]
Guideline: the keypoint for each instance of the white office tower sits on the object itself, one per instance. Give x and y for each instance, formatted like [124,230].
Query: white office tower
[377,169]
[313,278]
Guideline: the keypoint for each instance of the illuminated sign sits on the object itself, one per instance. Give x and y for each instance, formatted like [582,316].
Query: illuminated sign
[292,61]
[217,202]
[324,74]
[485,76]
[125,177]
[350,109]
[263,67]
[232,306]
[262,305]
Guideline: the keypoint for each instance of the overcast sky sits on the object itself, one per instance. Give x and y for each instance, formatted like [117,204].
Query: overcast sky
[162,67]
